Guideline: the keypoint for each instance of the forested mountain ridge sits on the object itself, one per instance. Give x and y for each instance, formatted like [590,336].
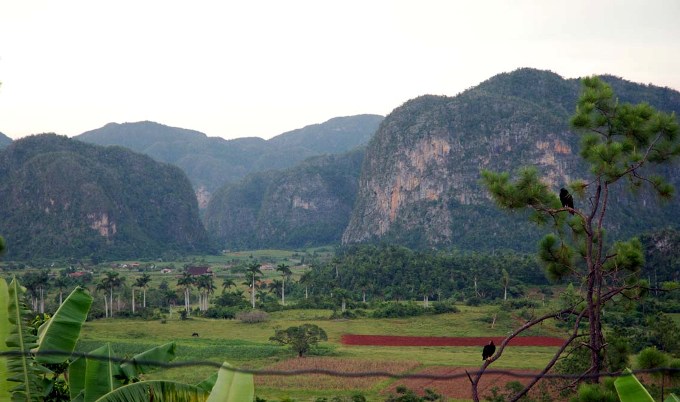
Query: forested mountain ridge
[419,184]
[306,205]
[211,162]
[4,140]
[65,198]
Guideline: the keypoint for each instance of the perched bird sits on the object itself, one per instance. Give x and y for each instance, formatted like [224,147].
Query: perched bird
[566,199]
[488,350]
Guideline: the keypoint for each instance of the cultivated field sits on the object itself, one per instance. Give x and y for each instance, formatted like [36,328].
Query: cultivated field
[248,346]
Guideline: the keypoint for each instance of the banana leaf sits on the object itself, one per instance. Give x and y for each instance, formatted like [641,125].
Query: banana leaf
[672,398]
[61,332]
[232,386]
[138,364]
[4,333]
[630,390]
[158,391]
[100,374]
[22,368]
[208,383]
[76,378]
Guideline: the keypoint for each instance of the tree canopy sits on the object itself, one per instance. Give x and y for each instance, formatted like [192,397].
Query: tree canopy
[619,142]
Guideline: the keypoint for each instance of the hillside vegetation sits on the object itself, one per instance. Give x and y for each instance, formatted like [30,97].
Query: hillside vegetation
[211,162]
[64,198]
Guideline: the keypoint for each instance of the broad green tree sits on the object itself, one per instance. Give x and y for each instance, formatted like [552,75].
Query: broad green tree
[621,144]
[300,338]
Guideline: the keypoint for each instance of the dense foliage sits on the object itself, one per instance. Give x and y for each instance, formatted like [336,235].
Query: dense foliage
[64,198]
[621,143]
[397,273]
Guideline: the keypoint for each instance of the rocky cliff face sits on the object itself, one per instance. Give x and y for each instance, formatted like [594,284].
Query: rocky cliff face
[420,180]
[306,205]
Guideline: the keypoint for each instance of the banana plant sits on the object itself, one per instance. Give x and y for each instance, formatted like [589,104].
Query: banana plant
[60,333]
[98,376]
[4,333]
[22,370]
[229,386]
[630,389]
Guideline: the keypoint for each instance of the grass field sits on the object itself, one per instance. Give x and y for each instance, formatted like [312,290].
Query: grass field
[248,346]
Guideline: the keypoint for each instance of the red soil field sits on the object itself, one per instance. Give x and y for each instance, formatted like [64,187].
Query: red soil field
[389,340]
[458,388]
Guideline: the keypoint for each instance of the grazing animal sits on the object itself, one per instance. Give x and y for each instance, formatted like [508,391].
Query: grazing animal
[566,199]
[194,334]
[488,350]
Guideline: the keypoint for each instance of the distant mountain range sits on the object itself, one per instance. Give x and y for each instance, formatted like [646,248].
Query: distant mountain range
[411,178]
[211,162]
[4,140]
[418,184]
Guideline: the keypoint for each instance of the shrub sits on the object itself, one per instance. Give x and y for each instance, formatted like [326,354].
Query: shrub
[445,307]
[396,310]
[316,302]
[222,312]
[517,304]
[252,316]
[473,301]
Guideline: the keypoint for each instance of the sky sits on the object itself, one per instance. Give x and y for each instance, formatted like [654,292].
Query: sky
[261,68]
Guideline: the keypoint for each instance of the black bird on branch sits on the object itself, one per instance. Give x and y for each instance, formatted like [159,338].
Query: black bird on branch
[488,350]
[567,200]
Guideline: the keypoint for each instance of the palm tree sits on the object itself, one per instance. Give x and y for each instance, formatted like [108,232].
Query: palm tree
[132,287]
[254,270]
[143,282]
[209,290]
[206,286]
[62,282]
[227,283]
[186,282]
[103,286]
[506,282]
[306,279]
[111,281]
[275,286]
[286,273]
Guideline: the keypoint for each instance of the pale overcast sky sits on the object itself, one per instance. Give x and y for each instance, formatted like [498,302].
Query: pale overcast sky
[260,68]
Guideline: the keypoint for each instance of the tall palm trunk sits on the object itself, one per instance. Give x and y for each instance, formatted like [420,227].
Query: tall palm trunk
[252,292]
[111,300]
[283,292]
